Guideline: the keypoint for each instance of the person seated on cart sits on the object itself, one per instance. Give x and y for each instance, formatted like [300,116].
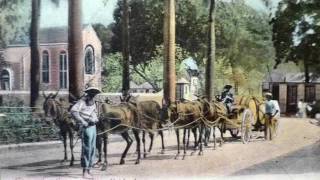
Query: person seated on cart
[227,97]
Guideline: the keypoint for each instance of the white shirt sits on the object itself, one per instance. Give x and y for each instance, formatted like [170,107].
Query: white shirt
[276,107]
[87,113]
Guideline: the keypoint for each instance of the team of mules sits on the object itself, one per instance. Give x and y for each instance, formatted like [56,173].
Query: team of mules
[149,117]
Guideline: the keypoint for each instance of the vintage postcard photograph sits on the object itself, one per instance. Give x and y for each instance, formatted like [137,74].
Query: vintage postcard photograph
[159,89]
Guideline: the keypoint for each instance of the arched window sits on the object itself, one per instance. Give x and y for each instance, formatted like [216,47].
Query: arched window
[89,61]
[5,80]
[63,69]
[45,67]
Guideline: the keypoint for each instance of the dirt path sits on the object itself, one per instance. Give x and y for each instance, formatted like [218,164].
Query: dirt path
[294,154]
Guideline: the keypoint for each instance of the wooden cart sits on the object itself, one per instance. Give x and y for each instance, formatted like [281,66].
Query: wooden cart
[245,117]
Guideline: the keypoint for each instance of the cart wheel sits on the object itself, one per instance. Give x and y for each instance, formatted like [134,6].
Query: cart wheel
[246,126]
[234,133]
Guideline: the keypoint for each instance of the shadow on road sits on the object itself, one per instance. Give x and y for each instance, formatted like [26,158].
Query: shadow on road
[305,160]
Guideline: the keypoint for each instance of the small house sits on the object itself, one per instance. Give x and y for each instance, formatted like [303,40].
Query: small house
[182,89]
[190,74]
[289,88]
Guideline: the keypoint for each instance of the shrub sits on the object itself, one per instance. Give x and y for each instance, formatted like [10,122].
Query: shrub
[20,126]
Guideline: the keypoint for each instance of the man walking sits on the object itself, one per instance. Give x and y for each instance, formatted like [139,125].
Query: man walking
[85,113]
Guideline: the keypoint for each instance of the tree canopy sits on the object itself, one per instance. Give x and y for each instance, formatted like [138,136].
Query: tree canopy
[13,21]
[243,38]
[296,33]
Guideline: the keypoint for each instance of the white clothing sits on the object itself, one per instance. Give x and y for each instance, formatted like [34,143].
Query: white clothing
[82,111]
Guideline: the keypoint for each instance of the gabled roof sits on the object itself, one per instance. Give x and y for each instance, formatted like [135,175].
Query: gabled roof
[146,85]
[133,85]
[48,35]
[290,77]
[190,63]
[183,81]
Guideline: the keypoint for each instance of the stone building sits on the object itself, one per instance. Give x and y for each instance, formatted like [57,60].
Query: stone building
[289,88]
[15,63]
[190,78]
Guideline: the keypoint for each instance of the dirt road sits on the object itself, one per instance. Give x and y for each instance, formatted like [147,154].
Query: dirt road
[294,154]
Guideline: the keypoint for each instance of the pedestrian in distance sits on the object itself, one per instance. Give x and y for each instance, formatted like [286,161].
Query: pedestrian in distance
[85,113]
[302,107]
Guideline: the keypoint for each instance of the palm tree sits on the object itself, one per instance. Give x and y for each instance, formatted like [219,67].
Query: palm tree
[125,48]
[209,80]
[169,74]
[35,51]
[76,74]
[35,54]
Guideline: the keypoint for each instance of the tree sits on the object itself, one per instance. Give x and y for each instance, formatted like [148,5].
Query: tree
[35,54]
[125,48]
[112,72]
[104,33]
[209,81]
[152,72]
[169,74]
[296,34]
[146,25]
[14,22]
[75,49]
[243,39]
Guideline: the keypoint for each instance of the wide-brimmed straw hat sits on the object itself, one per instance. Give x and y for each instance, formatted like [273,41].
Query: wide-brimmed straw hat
[268,94]
[228,86]
[91,89]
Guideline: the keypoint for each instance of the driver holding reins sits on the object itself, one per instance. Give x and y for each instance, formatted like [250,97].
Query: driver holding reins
[227,97]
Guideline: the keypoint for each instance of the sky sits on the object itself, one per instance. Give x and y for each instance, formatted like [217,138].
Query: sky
[96,11]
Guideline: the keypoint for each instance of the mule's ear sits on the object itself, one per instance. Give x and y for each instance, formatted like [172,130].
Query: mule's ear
[44,95]
[56,94]
[172,107]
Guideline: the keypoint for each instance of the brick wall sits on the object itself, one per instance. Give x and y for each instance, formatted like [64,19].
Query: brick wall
[90,38]
[19,59]
[54,60]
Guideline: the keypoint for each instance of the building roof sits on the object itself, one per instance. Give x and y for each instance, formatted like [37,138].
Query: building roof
[48,35]
[291,77]
[146,85]
[190,63]
[133,85]
[182,81]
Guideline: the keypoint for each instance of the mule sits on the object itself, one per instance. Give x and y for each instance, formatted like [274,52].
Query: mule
[119,119]
[57,110]
[151,119]
[186,115]
[211,117]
